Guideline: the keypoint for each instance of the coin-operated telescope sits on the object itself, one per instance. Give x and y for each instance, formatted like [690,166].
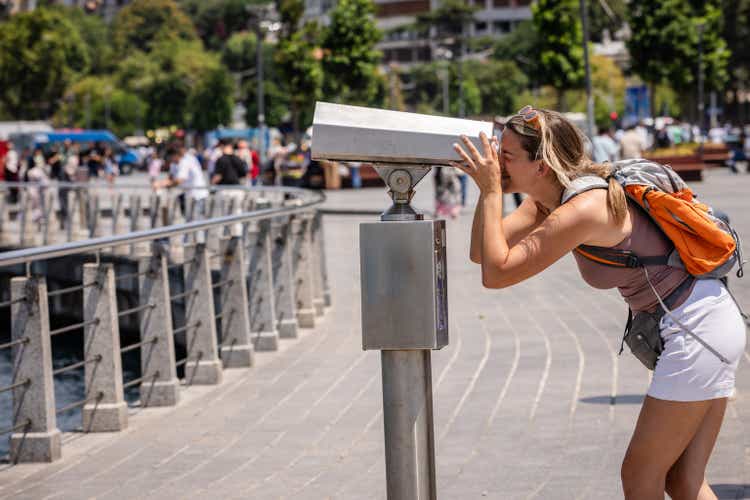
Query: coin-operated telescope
[403,271]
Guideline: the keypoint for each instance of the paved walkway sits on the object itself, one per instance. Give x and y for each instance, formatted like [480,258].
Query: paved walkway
[531,399]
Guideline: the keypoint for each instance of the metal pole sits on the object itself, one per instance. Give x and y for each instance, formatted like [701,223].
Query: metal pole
[407,420]
[261,98]
[701,117]
[587,66]
[462,53]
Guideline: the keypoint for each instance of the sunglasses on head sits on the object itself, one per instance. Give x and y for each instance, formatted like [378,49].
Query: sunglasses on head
[530,116]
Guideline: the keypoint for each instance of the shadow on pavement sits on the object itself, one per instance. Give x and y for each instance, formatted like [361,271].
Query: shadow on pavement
[621,399]
[731,490]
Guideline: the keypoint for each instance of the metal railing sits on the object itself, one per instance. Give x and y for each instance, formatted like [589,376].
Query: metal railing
[231,265]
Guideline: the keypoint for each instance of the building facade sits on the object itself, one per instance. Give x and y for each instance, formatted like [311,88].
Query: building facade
[401,44]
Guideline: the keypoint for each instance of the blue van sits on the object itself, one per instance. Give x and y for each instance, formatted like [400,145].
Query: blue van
[127,159]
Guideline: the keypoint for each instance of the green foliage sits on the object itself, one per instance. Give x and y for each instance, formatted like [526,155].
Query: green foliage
[350,59]
[276,102]
[736,33]
[145,23]
[666,101]
[210,103]
[560,42]
[89,102]
[96,37]
[239,52]
[217,20]
[297,61]
[522,46]
[448,19]
[41,53]
[664,42]
[610,18]
[498,83]
[174,80]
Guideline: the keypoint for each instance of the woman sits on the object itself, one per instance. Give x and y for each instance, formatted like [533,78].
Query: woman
[681,416]
[447,193]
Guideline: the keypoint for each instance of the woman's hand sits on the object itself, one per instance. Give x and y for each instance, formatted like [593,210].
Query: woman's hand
[483,167]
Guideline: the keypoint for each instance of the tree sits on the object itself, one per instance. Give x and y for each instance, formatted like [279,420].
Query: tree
[608,85]
[606,15]
[97,102]
[217,20]
[173,79]
[210,103]
[144,23]
[522,47]
[736,33]
[95,34]
[41,53]
[665,41]
[298,62]
[558,25]
[350,60]
[498,82]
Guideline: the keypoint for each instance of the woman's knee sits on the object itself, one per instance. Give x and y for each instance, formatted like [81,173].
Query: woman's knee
[683,484]
[640,479]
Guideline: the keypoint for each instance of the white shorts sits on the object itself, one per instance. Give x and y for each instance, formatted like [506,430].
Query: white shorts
[687,371]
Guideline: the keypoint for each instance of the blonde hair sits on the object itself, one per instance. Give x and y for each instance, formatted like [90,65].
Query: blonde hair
[561,146]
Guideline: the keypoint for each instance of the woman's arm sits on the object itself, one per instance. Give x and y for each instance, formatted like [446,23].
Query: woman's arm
[516,226]
[565,228]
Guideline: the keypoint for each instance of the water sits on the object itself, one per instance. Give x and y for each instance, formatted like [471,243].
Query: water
[67,349]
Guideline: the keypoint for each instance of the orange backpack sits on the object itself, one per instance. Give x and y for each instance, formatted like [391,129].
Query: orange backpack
[705,245]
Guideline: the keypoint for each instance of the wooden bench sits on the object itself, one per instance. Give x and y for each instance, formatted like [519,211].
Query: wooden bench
[689,167]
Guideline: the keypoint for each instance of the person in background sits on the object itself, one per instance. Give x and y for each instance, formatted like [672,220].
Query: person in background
[12,165]
[632,143]
[244,153]
[447,192]
[604,147]
[70,164]
[213,154]
[110,165]
[354,167]
[186,172]
[155,166]
[230,169]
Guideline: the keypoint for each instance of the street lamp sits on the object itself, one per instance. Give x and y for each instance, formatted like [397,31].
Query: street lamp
[444,54]
[587,67]
[262,19]
[701,114]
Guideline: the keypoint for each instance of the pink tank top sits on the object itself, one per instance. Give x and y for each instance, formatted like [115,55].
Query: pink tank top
[645,240]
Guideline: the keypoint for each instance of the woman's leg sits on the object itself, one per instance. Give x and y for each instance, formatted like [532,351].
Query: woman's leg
[663,432]
[686,478]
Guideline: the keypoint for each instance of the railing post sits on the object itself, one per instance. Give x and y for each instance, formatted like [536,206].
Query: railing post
[303,280]
[160,386]
[93,219]
[283,278]
[3,210]
[108,412]
[260,284]
[321,247]
[317,277]
[236,348]
[34,401]
[203,365]
[23,217]
[70,215]
[134,207]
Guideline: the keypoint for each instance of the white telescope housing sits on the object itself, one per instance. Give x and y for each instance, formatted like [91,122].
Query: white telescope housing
[355,133]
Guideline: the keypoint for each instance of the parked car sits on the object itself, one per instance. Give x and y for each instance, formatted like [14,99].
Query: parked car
[127,159]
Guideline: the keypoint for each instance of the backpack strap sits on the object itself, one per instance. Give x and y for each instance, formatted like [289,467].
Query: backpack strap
[620,258]
[581,185]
